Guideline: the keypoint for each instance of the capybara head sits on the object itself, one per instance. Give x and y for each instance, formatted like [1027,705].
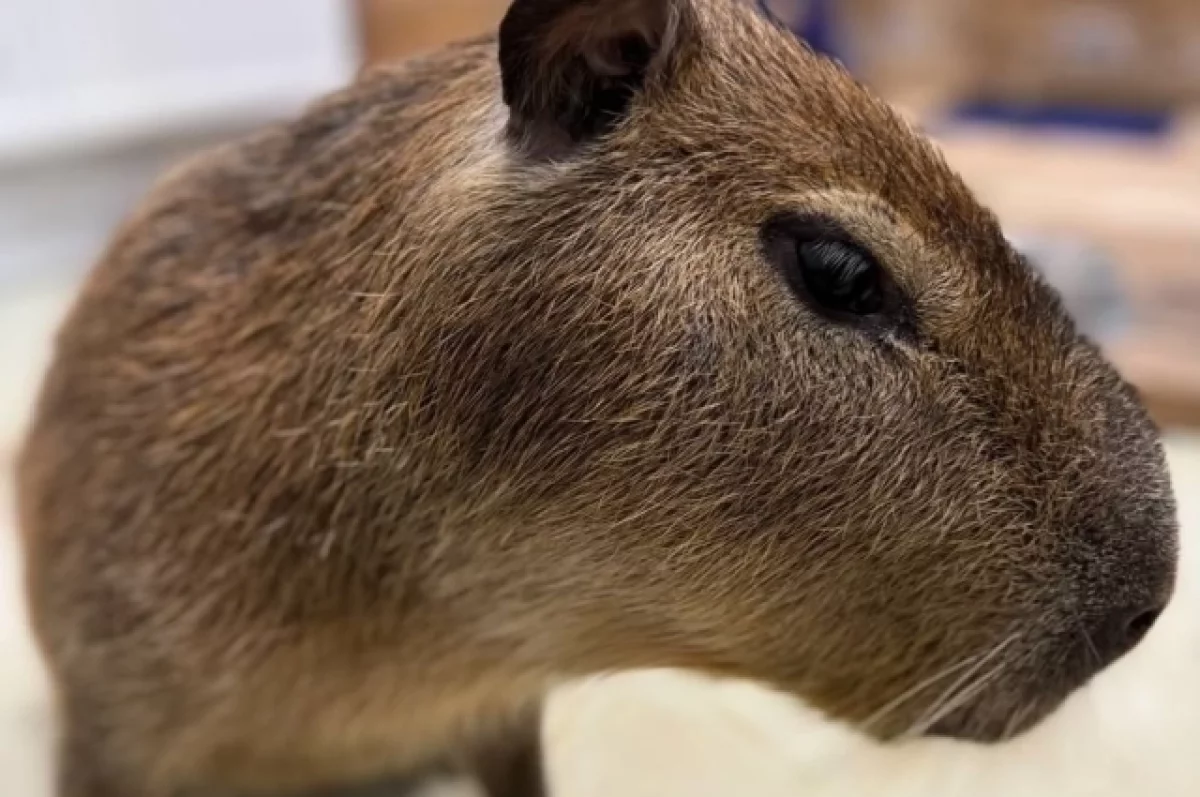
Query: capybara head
[779,395]
[644,337]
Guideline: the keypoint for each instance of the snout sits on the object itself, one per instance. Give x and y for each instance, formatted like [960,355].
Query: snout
[1068,663]
[1100,618]
[1129,582]
[1120,631]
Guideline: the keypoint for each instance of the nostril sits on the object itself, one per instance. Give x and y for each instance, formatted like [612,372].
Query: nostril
[1139,624]
[1119,633]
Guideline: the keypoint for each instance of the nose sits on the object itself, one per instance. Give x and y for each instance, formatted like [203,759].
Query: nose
[1121,631]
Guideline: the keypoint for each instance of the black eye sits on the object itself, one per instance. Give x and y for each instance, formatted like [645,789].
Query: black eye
[831,272]
[839,276]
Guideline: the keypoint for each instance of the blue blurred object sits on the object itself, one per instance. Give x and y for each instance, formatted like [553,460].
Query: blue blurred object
[817,24]
[1104,120]
[1087,277]
[816,27]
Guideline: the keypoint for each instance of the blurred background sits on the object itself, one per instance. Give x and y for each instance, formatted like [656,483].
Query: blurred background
[1078,121]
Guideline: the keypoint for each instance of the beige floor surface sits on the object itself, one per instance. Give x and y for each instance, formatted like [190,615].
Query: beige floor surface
[1134,733]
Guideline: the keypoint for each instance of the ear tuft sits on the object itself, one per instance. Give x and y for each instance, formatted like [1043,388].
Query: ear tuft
[571,68]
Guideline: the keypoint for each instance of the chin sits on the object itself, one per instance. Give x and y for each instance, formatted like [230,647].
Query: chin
[992,726]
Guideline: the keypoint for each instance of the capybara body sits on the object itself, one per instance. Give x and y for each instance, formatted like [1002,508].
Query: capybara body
[635,336]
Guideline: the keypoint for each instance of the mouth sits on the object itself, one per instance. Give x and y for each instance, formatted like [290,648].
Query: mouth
[1000,696]
[1014,705]
[1005,691]
[987,725]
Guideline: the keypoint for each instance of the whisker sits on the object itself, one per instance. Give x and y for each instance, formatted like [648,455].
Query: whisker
[920,686]
[1016,718]
[1090,643]
[961,690]
[950,706]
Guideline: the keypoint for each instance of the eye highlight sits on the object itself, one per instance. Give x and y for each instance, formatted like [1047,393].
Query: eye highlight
[832,273]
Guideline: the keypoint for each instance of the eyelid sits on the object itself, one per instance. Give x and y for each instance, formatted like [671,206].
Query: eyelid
[816,226]
[779,237]
[782,234]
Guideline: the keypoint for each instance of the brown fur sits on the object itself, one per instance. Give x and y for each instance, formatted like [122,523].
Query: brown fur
[373,427]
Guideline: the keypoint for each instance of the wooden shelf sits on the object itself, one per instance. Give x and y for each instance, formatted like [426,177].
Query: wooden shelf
[394,29]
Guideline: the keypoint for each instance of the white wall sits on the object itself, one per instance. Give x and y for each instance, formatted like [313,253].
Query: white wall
[97,95]
[77,71]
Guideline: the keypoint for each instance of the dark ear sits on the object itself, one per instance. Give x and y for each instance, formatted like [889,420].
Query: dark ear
[570,68]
